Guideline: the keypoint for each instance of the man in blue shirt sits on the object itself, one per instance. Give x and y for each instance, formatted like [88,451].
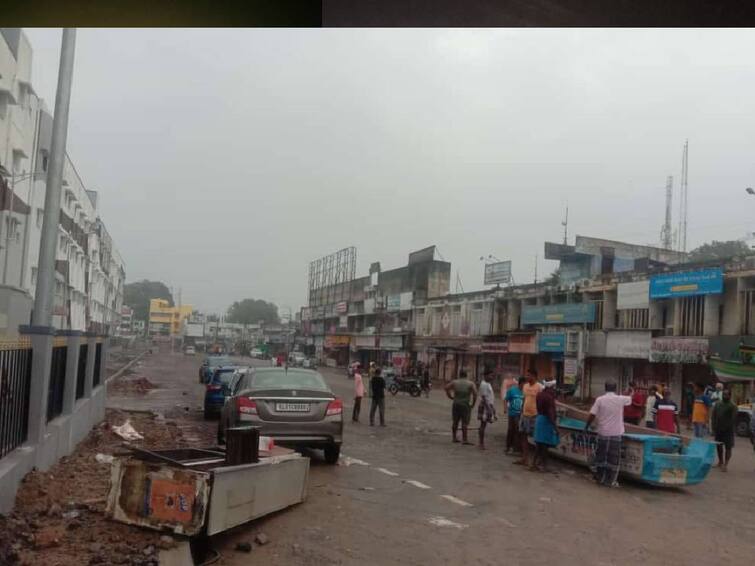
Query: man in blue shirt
[512,406]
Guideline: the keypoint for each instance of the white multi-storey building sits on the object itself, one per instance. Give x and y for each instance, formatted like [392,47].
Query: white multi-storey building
[89,270]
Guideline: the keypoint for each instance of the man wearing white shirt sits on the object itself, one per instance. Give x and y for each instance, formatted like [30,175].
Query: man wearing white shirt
[608,410]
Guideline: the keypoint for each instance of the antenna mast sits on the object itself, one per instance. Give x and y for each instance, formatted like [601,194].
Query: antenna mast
[565,224]
[666,235]
[683,201]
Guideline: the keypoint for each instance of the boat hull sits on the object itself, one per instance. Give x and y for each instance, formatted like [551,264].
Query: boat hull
[647,456]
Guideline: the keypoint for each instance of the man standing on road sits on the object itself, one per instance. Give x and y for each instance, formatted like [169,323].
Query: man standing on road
[358,393]
[529,415]
[464,397]
[633,413]
[650,406]
[608,409]
[426,381]
[486,410]
[700,407]
[512,405]
[666,413]
[377,388]
[724,420]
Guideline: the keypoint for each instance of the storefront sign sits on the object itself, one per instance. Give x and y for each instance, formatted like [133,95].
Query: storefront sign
[688,283]
[343,321]
[522,343]
[391,342]
[571,368]
[364,342]
[342,307]
[337,341]
[628,344]
[571,313]
[494,347]
[551,342]
[393,303]
[678,350]
[634,295]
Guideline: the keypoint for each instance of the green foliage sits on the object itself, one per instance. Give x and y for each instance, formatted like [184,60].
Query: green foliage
[719,250]
[251,311]
[552,279]
[137,295]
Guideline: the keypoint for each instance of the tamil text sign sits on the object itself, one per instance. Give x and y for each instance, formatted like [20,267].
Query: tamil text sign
[337,341]
[634,295]
[688,283]
[672,350]
[572,313]
[499,272]
[551,342]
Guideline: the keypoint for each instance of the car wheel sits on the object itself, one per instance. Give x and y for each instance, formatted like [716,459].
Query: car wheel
[332,453]
[743,426]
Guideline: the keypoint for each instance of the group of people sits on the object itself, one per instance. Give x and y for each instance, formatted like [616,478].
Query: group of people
[531,409]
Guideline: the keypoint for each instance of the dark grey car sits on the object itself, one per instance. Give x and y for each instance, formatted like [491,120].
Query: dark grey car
[293,406]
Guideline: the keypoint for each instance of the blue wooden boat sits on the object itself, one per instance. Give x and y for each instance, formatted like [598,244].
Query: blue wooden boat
[648,456]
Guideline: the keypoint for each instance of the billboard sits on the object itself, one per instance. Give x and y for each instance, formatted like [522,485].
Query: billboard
[328,274]
[634,295]
[393,303]
[567,313]
[672,350]
[496,273]
[688,283]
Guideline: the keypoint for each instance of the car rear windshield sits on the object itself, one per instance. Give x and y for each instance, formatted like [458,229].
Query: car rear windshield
[289,380]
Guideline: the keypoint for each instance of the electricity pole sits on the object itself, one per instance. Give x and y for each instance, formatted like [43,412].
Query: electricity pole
[44,295]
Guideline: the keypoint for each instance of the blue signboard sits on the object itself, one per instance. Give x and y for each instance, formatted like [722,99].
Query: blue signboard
[686,284]
[551,342]
[568,313]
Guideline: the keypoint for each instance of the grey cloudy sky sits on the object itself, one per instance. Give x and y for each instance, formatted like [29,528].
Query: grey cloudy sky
[227,159]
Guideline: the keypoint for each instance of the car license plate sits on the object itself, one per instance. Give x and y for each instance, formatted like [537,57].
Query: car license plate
[292,407]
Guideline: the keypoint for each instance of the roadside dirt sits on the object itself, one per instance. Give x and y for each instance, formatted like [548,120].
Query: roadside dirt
[59,515]
[140,385]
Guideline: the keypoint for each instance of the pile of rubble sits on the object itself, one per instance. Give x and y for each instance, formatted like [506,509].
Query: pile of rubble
[139,385]
[59,516]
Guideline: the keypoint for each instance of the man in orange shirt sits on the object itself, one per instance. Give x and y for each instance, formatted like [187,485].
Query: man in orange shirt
[529,414]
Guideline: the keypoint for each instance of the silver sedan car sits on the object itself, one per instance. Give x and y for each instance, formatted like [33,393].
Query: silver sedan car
[293,406]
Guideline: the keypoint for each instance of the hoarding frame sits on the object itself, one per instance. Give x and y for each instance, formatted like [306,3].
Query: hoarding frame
[497,273]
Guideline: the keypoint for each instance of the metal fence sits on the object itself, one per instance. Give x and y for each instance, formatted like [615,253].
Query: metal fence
[81,371]
[57,382]
[15,380]
[97,364]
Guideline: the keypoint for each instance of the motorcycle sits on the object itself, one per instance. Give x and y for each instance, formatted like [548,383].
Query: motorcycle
[405,385]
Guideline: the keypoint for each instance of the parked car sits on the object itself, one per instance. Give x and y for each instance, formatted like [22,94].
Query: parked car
[309,363]
[218,388]
[293,406]
[744,418]
[209,364]
[189,350]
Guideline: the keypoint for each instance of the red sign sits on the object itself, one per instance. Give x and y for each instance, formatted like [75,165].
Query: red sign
[522,344]
[342,307]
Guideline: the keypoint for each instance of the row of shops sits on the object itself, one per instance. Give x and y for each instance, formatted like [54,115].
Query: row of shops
[582,359]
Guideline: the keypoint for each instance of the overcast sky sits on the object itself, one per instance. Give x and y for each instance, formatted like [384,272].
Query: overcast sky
[228,159]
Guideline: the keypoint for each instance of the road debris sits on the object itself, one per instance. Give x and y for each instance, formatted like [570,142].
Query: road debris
[243,547]
[261,539]
[127,432]
[439,521]
[104,458]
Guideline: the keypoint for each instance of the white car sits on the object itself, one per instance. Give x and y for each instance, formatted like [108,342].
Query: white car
[190,351]
[256,353]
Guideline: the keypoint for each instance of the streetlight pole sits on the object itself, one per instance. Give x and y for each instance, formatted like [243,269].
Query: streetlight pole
[43,297]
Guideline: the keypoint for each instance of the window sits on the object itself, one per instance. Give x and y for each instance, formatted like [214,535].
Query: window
[598,324]
[634,318]
[691,316]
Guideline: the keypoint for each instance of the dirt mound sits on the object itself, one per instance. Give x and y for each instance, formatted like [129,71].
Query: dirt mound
[59,515]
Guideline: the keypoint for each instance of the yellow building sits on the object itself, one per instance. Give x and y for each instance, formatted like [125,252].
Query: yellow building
[167,320]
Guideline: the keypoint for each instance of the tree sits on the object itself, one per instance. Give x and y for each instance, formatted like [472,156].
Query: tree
[719,250]
[553,279]
[251,311]
[137,295]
